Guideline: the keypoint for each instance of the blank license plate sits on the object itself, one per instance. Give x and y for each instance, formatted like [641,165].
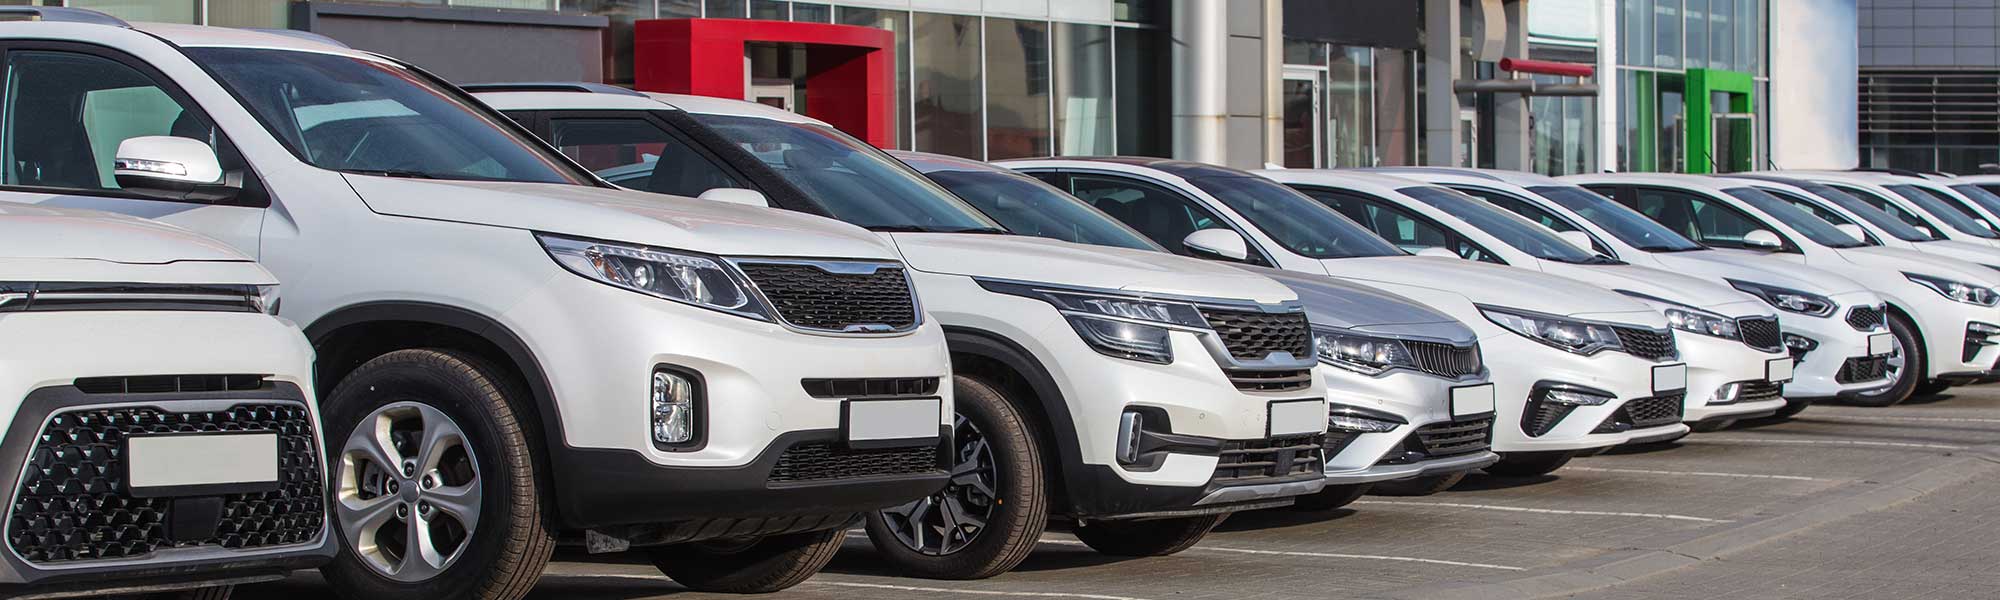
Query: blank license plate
[1880,344]
[1778,370]
[1298,417]
[189,465]
[1471,400]
[1668,378]
[890,422]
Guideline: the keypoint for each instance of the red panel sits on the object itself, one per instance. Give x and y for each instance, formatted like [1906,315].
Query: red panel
[850,69]
[1547,67]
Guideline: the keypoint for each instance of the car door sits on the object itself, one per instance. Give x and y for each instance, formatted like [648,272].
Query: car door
[64,110]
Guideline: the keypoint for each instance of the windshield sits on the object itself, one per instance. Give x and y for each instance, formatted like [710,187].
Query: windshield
[852,180]
[1509,228]
[1624,223]
[1814,228]
[1300,224]
[1862,209]
[377,118]
[1943,208]
[1979,196]
[1026,206]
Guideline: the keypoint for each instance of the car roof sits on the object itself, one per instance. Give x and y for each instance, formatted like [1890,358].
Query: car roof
[1466,175]
[1360,181]
[587,96]
[202,36]
[1180,168]
[1699,182]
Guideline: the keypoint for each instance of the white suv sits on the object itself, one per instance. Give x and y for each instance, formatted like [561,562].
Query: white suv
[1576,368]
[160,423]
[515,350]
[1143,396]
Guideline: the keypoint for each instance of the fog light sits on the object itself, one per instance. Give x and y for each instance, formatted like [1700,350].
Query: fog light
[1573,397]
[1982,329]
[672,408]
[1799,345]
[1129,425]
[1727,394]
[1358,423]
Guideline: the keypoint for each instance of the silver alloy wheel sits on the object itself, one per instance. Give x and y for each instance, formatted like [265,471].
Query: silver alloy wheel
[1892,366]
[408,492]
[951,519]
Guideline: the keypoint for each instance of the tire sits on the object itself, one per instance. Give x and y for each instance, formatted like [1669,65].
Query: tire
[501,556]
[220,592]
[1016,513]
[1156,537]
[1930,388]
[1528,464]
[1419,486]
[1910,376]
[1792,408]
[1334,496]
[1712,425]
[761,566]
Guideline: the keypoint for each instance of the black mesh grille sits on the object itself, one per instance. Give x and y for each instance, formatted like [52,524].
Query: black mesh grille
[73,503]
[153,384]
[810,297]
[1250,461]
[1337,440]
[1255,335]
[1864,317]
[1542,416]
[1446,360]
[1648,344]
[1646,412]
[1440,440]
[1863,368]
[820,461]
[873,386]
[1759,391]
[1761,333]
[1269,381]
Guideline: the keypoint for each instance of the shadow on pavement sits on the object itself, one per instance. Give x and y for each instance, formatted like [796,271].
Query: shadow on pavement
[1481,482]
[1643,448]
[1280,518]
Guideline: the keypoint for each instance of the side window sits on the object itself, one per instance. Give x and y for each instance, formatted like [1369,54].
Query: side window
[1700,219]
[1163,215]
[1821,212]
[67,113]
[1401,227]
[634,153]
[1886,206]
[1536,214]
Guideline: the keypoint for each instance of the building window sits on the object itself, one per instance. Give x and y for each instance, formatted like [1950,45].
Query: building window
[1017,88]
[946,79]
[812,13]
[726,9]
[771,10]
[274,14]
[898,22]
[1083,90]
[1142,114]
[158,11]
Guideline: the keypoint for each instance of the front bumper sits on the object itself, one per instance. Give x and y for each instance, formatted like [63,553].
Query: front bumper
[1713,364]
[1520,365]
[1820,372]
[1420,400]
[1953,352]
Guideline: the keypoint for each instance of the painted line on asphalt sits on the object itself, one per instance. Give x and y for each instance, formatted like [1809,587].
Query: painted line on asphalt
[1430,561]
[1872,418]
[1737,440]
[938,590]
[1546,511]
[1699,474]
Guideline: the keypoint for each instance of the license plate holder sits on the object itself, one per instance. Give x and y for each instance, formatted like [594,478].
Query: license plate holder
[1472,401]
[890,423]
[200,464]
[1670,378]
[1880,344]
[1778,370]
[1296,417]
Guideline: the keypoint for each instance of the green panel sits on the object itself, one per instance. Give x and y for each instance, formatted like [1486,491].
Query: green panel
[1701,86]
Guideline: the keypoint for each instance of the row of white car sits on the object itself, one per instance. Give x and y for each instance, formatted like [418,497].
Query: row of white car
[722,334]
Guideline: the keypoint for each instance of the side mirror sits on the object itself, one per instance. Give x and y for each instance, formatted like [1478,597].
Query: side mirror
[1852,230]
[1764,239]
[169,167]
[736,195]
[1218,243]
[1438,251]
[1927,231]
[1577,238]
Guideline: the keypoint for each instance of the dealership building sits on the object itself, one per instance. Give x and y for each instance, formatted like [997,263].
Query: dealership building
[1555,86]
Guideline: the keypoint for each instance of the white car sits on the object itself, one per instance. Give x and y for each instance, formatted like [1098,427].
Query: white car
[1576,368]
[515,350]
[1827,319]
[1411,405]
[1921,202]
[1941,313]
[1735,351]
[1141,395]
[1858,210]
[160,420]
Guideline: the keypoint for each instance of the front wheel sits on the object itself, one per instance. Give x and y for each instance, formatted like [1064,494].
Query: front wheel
[1907,366]
[435,489]
[1528,464]
[749,566]
[1156,537]
[991,514]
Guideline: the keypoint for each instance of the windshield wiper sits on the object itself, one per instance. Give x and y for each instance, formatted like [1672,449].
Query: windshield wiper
[406,174]
[924,229]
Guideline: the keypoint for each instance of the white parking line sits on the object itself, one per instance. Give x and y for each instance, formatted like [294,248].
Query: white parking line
[1738,440]
[1697,474]
[1431,561]
[1871,418]
[936,590]
[1547,511]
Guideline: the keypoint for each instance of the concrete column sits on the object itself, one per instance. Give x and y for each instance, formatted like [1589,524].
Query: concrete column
[1513,134]
[1441,135]
[1815,89]
[1608,107]
[1200,60]
[1274,82]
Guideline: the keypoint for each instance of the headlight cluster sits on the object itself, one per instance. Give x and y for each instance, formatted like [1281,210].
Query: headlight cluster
[1581,337]
[1362,354]
[1130,328]
[1700,321]
[1787,299]
[1957,290]
[702,281]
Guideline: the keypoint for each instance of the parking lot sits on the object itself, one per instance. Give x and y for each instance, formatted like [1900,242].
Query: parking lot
[1841,502]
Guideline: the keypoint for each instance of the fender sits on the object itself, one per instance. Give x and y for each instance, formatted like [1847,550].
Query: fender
[1054,408]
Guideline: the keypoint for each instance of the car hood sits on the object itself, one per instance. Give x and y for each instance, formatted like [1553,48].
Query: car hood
[623,215]
[1673,287]
[1758,269]
[1043,260]
[1900,259]
[1342,304]
[1497,285]
[1965,251]
[38,232]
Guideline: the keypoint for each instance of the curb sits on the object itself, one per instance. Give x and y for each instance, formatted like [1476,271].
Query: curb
[1621,566]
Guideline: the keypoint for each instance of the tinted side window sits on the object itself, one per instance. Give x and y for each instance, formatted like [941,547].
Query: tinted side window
[68,112]
[1821,212]
[1885,205]
[1698,218]
[1162,215]
[1536,214]
[637,154]
[1401,227]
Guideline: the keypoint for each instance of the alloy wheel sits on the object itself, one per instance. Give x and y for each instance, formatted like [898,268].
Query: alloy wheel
[1892,367]
[951,519]
[408,496]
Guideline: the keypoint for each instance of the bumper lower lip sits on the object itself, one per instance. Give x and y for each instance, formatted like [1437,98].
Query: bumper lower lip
[1440,466]
[1648,437]
[1264,492]
[1748,410]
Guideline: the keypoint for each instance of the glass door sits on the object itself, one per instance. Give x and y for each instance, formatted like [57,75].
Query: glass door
[1733,142]
[1304,117]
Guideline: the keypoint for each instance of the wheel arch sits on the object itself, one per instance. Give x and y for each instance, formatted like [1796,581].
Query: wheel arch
[1896,310]
[979,352]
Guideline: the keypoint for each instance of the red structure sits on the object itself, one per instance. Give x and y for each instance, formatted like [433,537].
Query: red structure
[850,80]
[1547,67]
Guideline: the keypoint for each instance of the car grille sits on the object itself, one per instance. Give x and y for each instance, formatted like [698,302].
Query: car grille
[1250,461]
[810,297]
[1255,335]
[73,503]
[1648,344]
[821,461]
[1441,440]
[1446,360]
[1270,381]
[1863,368]
[870,387]
[1645,412]
[1864,317]
[1761,333]
[1759,391]
[151,384]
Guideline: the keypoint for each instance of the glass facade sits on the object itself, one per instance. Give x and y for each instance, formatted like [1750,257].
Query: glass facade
[1083,90]
[1714,50]
[1347,106]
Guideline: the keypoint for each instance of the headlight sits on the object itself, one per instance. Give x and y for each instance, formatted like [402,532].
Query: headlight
[694,279]
[1568,334]
[1957,290]
[1359,353]
[1788,299]
[1690,319]
[1116,326]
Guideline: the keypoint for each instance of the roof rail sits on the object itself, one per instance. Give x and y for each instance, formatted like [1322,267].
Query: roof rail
[550,86]
[57,14]
[303,35]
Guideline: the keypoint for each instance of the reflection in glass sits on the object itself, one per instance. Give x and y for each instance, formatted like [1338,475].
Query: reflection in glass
[1143,128]
[727,9]
[1351,105]
[1017,88]
[1696,34]
[1666,33]
[898,22]
[811,13]
[274,14]
[770,10]
[1083,90]
[946,85]
[618,61]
